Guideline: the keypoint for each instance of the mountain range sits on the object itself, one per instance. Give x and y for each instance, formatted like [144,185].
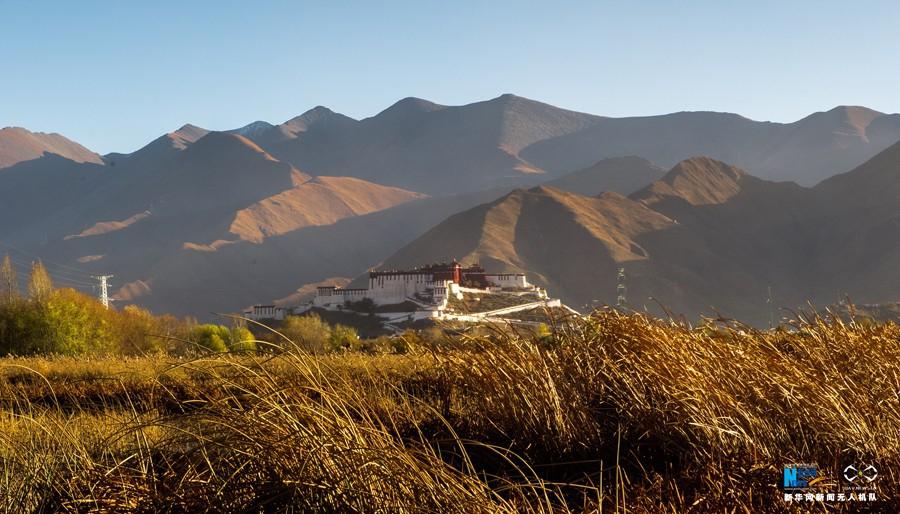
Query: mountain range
[508,141]
[201,221]
[705,239]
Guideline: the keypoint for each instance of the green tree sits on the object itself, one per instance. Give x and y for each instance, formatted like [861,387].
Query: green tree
[214,338]
[78,324]
[242,340]
[9,282]
[219,338]
[343,337]
[139,332]
[39,283]
[24,329]
[310,332]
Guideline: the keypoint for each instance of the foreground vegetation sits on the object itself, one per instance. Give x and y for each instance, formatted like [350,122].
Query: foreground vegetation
[65,322]
[612,412]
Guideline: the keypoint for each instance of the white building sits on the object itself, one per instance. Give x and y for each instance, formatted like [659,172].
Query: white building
[260,312]
[431,285]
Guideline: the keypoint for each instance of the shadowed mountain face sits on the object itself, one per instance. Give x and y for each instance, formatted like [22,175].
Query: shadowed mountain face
[422,146]
[706,238]
[623,175]
[436,149]
[170,207]
[806,151]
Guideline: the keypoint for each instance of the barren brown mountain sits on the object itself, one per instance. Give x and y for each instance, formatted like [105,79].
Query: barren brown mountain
[423,146]
[806,151]
[18,145]
[707,238]
[623,175]
[228,275]
[198,221]
[507,141]
[188,192]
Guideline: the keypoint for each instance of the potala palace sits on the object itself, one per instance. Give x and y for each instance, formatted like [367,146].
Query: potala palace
[435,292]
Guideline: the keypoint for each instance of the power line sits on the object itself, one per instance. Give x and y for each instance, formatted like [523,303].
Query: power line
[74,278]
[27,264]
[24,268]
[66,283]
[47,262]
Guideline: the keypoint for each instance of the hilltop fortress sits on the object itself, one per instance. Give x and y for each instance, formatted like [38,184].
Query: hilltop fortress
[433,284]
[436,292]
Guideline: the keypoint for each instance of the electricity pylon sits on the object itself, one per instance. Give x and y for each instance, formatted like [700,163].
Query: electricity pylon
[104,294]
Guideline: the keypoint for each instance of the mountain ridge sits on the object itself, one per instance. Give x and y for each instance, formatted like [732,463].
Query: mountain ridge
[706,239]
[18,144]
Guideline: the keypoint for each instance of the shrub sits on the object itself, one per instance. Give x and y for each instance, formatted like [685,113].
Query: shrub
[214,338]
[309,332]
[343,337]
[79,324]
[140,332]
[219,338]
[242,340]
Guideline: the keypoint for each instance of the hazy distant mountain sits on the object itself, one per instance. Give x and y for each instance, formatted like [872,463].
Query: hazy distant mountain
[309,141]
[18,145]
[706,238]
[423,146]
[507,141]
[856,229]
[805,151]
[623,175]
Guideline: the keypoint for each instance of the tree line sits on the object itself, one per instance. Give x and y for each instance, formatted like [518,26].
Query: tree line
[47,320]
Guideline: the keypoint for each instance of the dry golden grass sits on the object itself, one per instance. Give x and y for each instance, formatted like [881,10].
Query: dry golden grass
[610,413]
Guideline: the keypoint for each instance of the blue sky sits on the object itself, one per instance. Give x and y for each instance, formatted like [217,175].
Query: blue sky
[113,75]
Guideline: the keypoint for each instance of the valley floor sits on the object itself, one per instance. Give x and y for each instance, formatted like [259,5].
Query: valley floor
[614,412]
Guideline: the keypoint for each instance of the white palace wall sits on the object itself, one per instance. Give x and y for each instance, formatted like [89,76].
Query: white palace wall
[389,289]
[508,279]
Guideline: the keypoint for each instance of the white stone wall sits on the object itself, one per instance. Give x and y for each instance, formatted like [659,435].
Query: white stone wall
[388,289]
[508,279]
[261,312]
[326,297]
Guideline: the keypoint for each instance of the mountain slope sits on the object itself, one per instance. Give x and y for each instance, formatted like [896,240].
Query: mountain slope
[562,240]
[423,146]
[707,238]
[19,145]
[805,151]
[309,141]
[697,181]
[158,209]
[856,229]
[320,196]
[623,175]
[320,201]
[509,141]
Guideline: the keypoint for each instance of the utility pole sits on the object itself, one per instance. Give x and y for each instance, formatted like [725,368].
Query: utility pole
[621,290]
[104,294]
